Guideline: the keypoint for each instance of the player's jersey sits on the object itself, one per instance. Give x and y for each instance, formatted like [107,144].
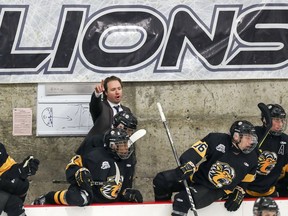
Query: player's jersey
[225,167]
[115,174]
[273,157]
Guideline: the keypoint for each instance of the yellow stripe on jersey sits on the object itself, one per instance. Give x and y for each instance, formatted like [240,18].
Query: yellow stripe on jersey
[76,160]
[7,165]
[256,194]
[200,147]
[284,171]
[249,178]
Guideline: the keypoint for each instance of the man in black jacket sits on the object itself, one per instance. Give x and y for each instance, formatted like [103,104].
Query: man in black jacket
[105,103]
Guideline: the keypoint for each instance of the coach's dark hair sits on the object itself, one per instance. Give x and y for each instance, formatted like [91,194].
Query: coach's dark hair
[111,78]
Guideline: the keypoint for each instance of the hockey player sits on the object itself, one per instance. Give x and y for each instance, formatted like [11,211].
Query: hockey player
[123,119]
[229,163]
[273,154]
[100,176]
[265,206]
[13,182]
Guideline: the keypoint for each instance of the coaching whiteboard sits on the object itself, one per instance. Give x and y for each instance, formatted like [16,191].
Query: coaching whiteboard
[63,109]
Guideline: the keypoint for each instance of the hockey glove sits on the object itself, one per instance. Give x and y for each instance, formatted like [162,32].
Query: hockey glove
[235,199]
[132,195]
[184,171]
[84,180]
[28,167]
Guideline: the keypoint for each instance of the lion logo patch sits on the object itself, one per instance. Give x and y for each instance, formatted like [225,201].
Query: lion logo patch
[221,174]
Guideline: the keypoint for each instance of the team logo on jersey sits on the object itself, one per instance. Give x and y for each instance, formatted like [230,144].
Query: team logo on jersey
[221,174]
[220,148]
[111,188]
[266,162]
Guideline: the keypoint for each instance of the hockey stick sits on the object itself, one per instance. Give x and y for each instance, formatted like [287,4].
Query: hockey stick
[93,183]
[66,182]
[136,136]
[264,109]
[163,118]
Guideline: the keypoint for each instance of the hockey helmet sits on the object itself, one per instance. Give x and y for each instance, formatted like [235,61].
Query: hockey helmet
[244,128]
[276,112]
[125,120]
[265,203]
[116,141]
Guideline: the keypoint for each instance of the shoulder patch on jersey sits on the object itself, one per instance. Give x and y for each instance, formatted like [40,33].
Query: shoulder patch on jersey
[221,148]
[105,165]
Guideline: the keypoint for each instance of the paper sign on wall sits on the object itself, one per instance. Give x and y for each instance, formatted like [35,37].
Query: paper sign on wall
[22,122]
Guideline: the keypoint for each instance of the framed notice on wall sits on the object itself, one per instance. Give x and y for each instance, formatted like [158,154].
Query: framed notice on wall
[63,109]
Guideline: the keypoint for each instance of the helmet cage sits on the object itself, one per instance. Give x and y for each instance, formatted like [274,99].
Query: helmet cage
[115,140]
[253,144]
[244,128]
[121,149]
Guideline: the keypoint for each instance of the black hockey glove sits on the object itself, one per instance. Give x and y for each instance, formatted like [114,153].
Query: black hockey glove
[84,180]
[28,167]
[185,170]
[235,199]
[132,195]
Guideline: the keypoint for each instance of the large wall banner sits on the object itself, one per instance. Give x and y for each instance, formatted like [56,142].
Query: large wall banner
[142,40]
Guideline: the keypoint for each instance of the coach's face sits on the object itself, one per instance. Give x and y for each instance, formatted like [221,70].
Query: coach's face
[114,91]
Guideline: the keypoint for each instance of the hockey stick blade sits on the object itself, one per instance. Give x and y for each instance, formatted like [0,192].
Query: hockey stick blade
[264,109]
[27,161]
[161,112]
[136,136]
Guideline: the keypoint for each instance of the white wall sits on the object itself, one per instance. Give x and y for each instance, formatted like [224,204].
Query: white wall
[146,209]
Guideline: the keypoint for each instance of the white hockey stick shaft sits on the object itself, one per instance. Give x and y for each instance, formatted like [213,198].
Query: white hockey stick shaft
[176,157]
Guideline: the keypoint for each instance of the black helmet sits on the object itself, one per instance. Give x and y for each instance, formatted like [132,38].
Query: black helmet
[126,118]
[114,139]
[265,203]
[242,128]
[276,111]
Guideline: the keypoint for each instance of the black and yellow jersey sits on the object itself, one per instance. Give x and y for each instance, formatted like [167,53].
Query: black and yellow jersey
[111,176]
[224,167]
[271,161]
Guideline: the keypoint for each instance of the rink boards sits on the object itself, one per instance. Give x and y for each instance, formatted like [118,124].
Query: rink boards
[145,209]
